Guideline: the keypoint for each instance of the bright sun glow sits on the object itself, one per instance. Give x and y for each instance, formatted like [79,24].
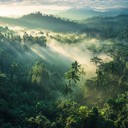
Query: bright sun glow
[21,10]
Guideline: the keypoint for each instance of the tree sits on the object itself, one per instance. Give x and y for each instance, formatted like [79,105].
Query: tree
[2,78]
[96,60]
[39,73]
[14,71]
[66,90]
[74,72]
[39,121]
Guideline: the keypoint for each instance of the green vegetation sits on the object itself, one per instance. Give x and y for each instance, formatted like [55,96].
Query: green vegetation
[39,21]
[107,27]
[37,93]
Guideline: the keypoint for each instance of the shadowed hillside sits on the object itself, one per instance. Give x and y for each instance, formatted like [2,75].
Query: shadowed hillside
[37,20]
[100,27]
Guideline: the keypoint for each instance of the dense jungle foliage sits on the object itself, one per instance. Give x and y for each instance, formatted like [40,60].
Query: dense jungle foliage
[38,94]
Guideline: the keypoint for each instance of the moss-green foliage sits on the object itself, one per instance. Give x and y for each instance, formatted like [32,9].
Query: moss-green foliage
[107,27]
[39,74]
[40,40]
[69,38]
[30,91]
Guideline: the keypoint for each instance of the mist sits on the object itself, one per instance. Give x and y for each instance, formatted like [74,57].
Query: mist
[63,64]
[63,54]
[61,50]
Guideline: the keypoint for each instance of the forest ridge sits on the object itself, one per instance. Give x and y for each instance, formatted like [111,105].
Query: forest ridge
[57,73]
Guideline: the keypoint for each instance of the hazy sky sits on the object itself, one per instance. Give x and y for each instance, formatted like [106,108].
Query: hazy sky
[20,7]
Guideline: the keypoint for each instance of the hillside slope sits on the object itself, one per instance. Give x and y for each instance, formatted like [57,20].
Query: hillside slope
[37,20]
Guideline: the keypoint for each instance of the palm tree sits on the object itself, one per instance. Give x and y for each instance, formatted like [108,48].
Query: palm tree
[14,71]
[96,60]
[76,66]
[66,90]
[71,75]
[39,73]
[74,73]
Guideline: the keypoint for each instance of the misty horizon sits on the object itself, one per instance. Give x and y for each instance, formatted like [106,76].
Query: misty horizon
[11,8]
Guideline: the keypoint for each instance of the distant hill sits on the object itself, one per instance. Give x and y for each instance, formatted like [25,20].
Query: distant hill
[99,26]
[37,20]
[107,27]
[107,19]
[85,13]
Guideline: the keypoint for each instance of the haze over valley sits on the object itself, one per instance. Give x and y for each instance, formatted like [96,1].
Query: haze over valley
[63,64]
